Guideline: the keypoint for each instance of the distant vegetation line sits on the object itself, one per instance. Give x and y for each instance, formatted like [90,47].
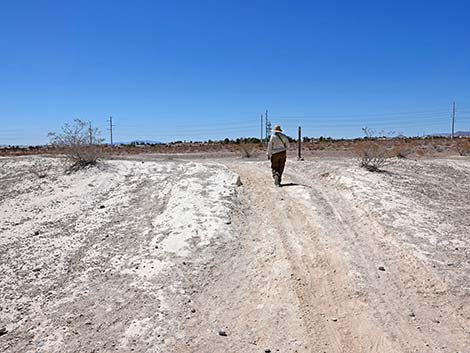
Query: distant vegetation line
[410,123]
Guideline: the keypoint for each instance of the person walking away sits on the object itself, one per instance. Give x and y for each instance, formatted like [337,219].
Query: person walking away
[277,153]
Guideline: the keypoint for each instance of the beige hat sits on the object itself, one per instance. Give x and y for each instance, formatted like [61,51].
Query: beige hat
[277,128]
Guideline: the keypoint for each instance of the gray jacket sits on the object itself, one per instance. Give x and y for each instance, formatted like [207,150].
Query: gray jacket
[277,143]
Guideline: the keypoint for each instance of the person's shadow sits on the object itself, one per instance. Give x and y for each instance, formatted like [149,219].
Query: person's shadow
[289,184]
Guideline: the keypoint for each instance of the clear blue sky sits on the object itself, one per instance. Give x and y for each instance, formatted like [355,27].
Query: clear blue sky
[195,70]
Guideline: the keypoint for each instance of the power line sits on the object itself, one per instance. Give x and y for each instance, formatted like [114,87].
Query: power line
[357,115]
[364,116]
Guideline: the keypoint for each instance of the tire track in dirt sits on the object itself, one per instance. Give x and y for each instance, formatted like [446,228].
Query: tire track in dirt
[410,302]
[301,275]
[332,315]
[331,249]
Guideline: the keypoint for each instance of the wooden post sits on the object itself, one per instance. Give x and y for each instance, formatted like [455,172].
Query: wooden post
[299,144]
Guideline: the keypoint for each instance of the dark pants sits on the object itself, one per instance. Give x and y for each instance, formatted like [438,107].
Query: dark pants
[278,162]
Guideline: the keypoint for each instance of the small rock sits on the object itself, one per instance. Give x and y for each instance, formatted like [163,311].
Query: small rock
[102,206]
[3,331]
[37,269]
[381,268]
[238,182]
[193,310]
[228,222]
[412,314]
[267,351]
[36,232]
[334,319]
[222,333]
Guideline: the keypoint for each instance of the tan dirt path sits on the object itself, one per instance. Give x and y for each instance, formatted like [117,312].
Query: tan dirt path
[305,277]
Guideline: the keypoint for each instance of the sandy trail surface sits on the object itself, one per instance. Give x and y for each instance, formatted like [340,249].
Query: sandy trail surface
[166,256]
[343,260]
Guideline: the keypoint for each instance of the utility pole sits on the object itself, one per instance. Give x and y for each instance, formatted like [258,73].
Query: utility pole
[267,123]
[453,119]
[268,127]
[90,133]
[111,129]
[261,137]
[299,144]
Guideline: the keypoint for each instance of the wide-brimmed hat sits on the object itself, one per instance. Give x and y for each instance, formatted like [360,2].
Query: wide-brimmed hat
[277,128]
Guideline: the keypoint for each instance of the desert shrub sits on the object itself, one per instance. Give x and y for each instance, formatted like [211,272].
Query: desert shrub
[246,150]
[372,156]
[80,144]
[402,150]
[464,147]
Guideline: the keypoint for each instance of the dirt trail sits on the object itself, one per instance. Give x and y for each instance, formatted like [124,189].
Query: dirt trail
[159,256]
[304,277]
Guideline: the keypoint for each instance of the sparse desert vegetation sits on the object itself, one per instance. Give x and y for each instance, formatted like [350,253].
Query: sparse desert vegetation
[372,155]
[79,143]
[161,255]
[172,216]
[320,147]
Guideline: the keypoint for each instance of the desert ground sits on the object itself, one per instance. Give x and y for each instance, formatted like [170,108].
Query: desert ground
[174,255]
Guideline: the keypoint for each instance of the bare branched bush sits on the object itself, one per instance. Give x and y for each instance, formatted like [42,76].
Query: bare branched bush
[80,144]
[373,156]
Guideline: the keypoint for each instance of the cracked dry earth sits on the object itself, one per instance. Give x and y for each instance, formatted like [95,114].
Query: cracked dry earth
[163,256]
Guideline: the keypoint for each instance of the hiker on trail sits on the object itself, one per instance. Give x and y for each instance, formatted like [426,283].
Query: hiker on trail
[277,153]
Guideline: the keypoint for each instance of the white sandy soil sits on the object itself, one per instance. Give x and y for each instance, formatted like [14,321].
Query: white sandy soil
[159,256]
[102,259]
